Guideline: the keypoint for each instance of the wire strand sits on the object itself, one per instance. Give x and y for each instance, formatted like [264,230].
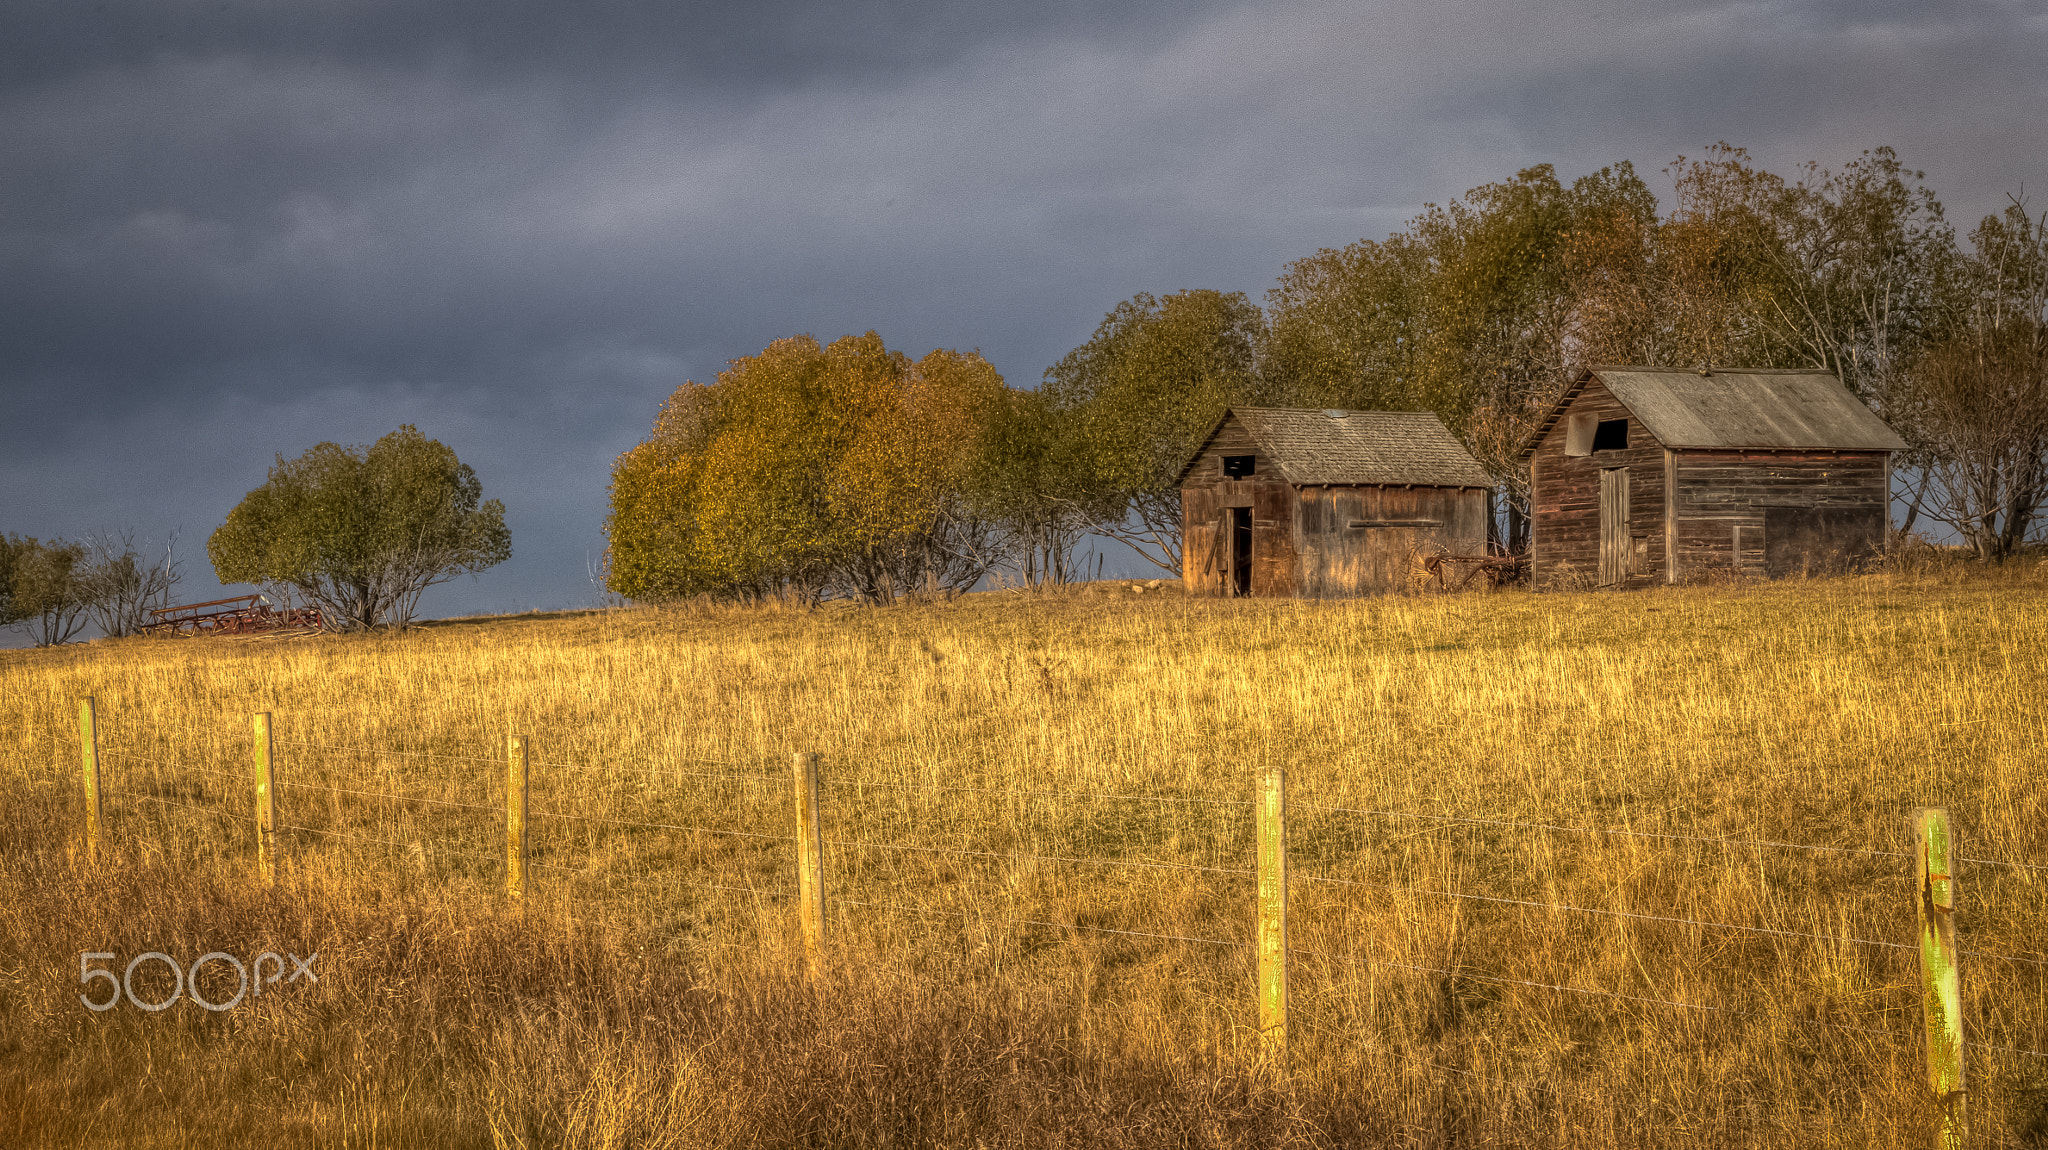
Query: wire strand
[1056,925]
[1043,858]
[1667,918]
[372,752]
[1719,1120]
[192,807]
[387,795]
[577,873]
[1612,913]
[1653,835]
[2006,1049]
[176,766]
[1105,795]
[657,773]
[1568,989]
[658,826]
[422,844]
[2003,863]
[1110,796]
[1601,831]
[1559,1091]
[1504,981]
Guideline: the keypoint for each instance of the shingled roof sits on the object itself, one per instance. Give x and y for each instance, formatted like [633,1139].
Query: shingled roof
[1738,408]
[1313,447]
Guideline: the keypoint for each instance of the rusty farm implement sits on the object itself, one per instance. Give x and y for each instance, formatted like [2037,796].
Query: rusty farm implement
[241,615]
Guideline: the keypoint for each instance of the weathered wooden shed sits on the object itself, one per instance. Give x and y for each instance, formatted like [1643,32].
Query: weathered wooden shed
[1313,504]
[1646,475]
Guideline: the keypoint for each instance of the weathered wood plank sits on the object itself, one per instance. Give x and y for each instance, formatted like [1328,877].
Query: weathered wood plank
[1272,917]
[89,755]
[1934,859]
[1703,501]
[266,801]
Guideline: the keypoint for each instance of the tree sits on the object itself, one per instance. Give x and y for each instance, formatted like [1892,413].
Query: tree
[1979,392]
[1505,312]
[809,470]
[40,592]
[363,531]
[900,490]
[1029,485]
[1141,393]
[12,609]
[120,586]
[1473,312]
[1870,261]
[654,552]
[760,514]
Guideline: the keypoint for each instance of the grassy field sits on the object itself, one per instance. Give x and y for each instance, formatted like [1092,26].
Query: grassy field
[1037,750]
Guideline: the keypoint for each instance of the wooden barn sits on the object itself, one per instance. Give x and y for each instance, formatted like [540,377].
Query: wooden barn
[1314,504]
[1649,475]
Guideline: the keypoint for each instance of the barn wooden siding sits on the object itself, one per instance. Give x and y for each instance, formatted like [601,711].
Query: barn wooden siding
[1694,512]
[1371,539]
[1790,513]
[1205,493]
[1318,540]
[1564,509]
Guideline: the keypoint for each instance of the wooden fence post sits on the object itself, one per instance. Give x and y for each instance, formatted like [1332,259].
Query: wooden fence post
[266,802]
[89,754]
[810,861]
[1934,858]
[516,774]
[1272,836]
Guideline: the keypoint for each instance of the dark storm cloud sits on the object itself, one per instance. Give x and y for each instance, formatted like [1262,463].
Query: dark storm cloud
[229,230]
[597,45]
[199,181]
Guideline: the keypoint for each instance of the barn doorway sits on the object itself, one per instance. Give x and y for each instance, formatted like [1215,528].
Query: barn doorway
[1614,540]
[1240,551]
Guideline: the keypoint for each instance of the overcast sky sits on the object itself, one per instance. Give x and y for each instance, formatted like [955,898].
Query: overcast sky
[234,229]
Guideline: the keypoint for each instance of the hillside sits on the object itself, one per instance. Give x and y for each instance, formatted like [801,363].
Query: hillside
[1550,876]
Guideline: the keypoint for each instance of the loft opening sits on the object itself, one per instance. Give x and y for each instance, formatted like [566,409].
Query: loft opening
[1239,466]
[1585,435]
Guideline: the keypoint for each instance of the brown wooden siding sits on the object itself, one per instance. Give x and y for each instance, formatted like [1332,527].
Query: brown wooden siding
[1276,564]
[1338,559]
[1206,493]
[1303,543]
[1565,498]
[1843,497]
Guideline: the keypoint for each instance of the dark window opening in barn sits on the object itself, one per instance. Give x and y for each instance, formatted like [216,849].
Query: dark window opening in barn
[1611,435]
[1238,466]
[1240,551]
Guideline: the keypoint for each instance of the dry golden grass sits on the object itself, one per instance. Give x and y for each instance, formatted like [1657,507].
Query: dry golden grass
[648,997]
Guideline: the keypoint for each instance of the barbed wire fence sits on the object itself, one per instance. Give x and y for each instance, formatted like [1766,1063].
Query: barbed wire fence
[582,834]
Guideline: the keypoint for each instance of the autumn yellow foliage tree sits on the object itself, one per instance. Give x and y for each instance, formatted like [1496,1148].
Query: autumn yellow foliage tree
[809,470]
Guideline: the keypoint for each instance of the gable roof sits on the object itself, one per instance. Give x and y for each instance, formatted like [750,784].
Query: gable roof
[1740,408]
[1309,446]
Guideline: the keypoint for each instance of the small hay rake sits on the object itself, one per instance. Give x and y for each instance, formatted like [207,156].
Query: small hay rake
[1456,572]
[241,615]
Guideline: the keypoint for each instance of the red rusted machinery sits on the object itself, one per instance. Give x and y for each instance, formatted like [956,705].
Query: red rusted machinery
[1499,570]
[241,615]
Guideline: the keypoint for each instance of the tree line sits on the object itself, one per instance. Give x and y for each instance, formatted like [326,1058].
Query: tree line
[359,532]
[52,589]
[848,469]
